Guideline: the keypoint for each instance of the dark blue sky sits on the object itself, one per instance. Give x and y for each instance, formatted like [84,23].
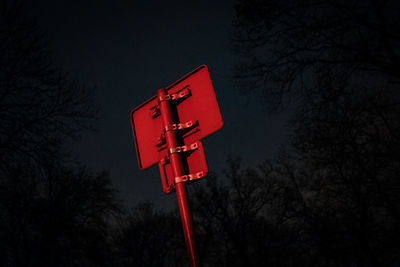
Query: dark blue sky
[129,49]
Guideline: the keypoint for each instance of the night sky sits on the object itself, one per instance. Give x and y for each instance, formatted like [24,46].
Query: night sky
[129,49]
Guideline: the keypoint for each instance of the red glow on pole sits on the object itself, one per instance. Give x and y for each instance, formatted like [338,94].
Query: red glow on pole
[188,111]
[178,170]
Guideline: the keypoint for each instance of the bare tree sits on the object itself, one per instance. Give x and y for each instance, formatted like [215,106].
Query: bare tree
[249,219]
[149,237]
[297,48]
[39,107]
[50,215]
[339,62]
[53,216]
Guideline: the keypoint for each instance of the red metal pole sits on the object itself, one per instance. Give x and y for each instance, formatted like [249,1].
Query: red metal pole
[178,170]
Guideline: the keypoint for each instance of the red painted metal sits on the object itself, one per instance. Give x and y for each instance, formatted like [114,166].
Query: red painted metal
[178,169]
[168,128]
[200,106]
[194,163]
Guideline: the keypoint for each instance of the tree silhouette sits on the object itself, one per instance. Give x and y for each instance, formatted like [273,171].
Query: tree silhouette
[250,219]
[40,107]
[53,216]
[50,214]
[297,48]
[149,237]
[339,61]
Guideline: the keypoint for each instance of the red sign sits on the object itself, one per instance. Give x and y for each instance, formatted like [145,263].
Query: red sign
[168,128]
[197,115]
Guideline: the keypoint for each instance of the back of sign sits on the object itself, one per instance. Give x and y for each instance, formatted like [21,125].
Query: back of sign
[195,102]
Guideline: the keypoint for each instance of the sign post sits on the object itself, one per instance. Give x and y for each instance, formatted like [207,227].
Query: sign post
[178,171]
[167,130]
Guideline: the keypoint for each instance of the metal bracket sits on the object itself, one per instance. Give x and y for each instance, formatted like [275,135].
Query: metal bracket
[155,111]
[180,126]
[182,94]
[164,160]
[160,140]
[174,127]
[180,149]
[189,177]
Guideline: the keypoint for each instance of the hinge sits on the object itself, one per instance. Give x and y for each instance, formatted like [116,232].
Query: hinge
[189,177]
